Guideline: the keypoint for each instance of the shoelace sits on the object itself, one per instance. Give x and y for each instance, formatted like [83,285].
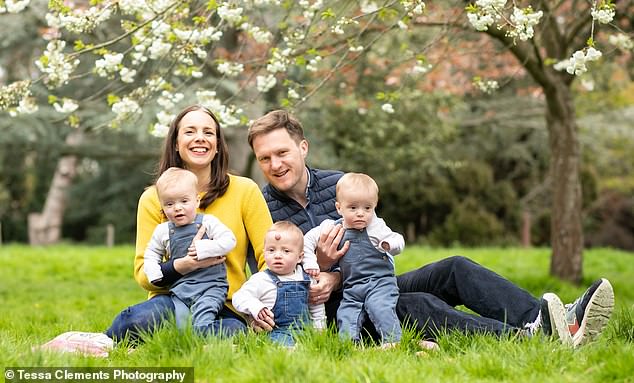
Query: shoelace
[535,325]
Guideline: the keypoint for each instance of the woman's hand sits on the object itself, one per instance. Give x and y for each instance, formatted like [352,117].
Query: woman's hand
[187,264]
[320,292]
[327,253]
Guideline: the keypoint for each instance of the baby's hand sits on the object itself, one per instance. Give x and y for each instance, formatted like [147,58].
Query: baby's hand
[265,314]
[191,250]
[313,273]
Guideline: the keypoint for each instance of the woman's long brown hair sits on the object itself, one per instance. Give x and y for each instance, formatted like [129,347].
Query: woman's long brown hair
[219,177]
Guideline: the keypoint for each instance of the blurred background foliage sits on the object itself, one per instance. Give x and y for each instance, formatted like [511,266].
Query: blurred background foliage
[452,167]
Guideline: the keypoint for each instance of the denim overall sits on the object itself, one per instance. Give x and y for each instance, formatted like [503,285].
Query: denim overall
[369,287]
[202,291]
[290,310]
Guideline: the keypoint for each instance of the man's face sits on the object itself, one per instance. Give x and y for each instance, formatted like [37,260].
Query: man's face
[281,160]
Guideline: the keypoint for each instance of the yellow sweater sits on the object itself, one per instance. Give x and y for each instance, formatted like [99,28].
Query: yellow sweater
[242,209]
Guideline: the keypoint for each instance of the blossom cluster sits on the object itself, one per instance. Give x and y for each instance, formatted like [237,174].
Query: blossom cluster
[603,12]
[577,63]
[79,21]
[13,6]
[484,13]
[524,20]
[621,41]
[485,86]
[56,67]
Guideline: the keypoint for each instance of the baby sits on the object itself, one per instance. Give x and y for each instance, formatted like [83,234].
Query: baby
[202,292]
[281,292]
[367,268]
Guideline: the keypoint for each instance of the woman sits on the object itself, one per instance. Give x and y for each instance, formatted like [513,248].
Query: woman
[195,142]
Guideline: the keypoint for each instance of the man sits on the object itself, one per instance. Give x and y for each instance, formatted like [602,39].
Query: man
[428,295]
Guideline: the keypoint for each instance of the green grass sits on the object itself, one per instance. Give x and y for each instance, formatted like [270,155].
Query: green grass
[47,291]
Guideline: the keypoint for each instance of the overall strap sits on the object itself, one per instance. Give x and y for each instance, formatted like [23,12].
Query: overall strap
[274,277]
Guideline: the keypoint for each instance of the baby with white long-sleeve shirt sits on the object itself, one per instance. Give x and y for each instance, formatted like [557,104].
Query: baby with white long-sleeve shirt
[283,255]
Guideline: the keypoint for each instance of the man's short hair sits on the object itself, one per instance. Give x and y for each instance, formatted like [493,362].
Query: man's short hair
[277,119]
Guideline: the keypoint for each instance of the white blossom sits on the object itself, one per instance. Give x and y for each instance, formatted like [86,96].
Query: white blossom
[159,48]
[67,106]
[292,93]
[127,75]
[485,86]
[480,21]
[55,65]
[523,22]
[420,68]
[109,64]
[207,98]
[13,6]
[387,108]
[159,130]
[265,83]
[232,16]
[603,15]
[83,20]
[27,106]
[167,100]
[621,41]
[125,108]
[358,48]
[369,7]
[230,69]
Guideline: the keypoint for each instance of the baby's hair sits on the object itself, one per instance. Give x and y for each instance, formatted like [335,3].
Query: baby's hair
[176,176]
[289,227]
[357,181]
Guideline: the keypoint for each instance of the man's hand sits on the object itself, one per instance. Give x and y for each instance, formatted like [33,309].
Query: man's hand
[327,253]
[320,292]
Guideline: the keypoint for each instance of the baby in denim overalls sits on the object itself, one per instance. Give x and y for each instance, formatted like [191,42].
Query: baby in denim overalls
[202,292]
[367,268]
[281,292]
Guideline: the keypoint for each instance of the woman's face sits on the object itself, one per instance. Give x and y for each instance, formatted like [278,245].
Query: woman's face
[196,142]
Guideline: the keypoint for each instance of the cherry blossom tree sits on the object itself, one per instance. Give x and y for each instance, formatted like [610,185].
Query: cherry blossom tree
[231,55]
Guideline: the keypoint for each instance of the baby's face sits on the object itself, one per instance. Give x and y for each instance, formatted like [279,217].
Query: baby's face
[356,208]
[179,204]
[282,251]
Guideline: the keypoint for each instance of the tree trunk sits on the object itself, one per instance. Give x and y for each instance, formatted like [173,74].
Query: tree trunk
[45,228]
[566,231]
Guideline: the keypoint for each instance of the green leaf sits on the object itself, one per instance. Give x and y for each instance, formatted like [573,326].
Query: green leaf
[112,98]
[328,14]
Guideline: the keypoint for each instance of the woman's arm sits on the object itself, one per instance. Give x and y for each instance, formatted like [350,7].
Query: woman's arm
[149,215]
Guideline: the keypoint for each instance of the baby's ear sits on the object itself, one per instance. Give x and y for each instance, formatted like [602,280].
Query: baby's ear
[301,256]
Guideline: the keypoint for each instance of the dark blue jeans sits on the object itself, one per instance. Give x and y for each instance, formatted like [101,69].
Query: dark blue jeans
[146,316]
[428,298]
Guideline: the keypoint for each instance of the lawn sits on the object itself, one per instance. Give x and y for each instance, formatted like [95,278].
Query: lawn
[47,291]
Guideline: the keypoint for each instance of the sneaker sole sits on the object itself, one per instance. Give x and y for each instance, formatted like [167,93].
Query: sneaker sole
[596,315]
[557,318]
